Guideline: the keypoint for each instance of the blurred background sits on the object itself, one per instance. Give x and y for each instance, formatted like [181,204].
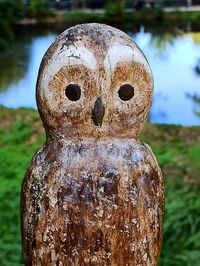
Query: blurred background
[168,32]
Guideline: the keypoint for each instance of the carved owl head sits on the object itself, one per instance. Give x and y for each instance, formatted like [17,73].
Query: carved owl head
[94,81]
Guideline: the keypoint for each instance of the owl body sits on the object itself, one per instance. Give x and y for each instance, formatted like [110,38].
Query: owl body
[93,194]
[88,202]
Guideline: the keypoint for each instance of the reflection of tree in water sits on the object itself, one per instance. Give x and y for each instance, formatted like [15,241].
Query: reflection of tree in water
[195,97]
[15,60]
[162,35]
[165,33]
[197,67]
[196,103]
[196,37]
[13,64]
[157,114]
[162,39]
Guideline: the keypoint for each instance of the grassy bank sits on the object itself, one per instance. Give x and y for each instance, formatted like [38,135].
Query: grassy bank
[156,18]
[144,16]
[177,149]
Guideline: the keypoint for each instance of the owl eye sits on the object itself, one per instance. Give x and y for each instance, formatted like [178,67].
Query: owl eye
[126,92]
[73,92]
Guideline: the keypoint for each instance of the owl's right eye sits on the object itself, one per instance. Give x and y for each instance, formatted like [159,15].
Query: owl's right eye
[73,92]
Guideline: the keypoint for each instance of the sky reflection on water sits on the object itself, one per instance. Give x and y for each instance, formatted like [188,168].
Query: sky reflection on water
[173,64]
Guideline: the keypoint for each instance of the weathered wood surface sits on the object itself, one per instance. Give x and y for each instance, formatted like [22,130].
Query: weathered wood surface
[93,194]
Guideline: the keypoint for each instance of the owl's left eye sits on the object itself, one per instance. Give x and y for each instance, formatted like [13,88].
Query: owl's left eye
[73,92]
[126,92]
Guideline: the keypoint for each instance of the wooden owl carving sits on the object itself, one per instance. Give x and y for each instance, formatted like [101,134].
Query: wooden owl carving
[93,193]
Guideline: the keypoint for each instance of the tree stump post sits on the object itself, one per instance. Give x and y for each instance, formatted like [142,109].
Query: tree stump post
[93,193]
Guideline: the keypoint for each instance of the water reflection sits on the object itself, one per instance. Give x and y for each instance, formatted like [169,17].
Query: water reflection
[173,57]
[173,76]
[195,103]
[22,94]
[196,37]
[197,67]
[157,112]
[162,41]
[14,64]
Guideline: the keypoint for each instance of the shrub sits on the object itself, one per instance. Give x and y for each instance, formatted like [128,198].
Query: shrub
[38,7]
[114,9]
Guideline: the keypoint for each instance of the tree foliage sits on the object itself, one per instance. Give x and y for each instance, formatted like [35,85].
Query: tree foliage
[38,6]
[10,10]
[114,8]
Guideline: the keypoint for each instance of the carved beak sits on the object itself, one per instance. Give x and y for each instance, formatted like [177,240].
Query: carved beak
[98,112]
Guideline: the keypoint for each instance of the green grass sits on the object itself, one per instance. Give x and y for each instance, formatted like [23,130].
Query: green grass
[20,136]
[181,243]
[178,152]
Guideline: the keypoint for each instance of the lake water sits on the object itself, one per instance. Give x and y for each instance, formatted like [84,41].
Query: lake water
[174,59]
